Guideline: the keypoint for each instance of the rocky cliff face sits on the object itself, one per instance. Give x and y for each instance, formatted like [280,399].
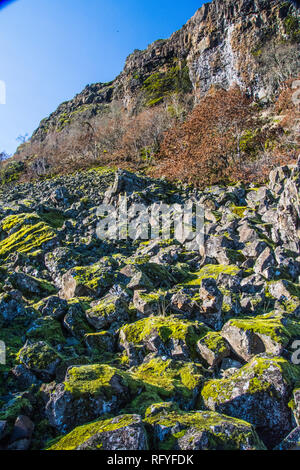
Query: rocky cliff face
[225,42]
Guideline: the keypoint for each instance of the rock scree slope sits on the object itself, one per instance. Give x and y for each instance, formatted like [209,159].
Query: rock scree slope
[119,344]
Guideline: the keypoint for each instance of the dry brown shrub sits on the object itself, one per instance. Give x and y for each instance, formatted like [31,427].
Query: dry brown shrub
[206,148]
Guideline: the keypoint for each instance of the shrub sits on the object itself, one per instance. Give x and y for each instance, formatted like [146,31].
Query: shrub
[205,147]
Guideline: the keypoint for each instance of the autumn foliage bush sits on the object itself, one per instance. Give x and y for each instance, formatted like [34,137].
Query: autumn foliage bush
[203,149]
[115,138]
[225,139]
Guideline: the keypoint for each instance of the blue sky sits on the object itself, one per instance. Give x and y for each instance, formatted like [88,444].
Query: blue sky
[51,49]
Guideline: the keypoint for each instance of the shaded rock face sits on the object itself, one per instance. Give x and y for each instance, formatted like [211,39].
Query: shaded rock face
[74,402]
[219,45]
[202,431]
[257,394]
[291,442]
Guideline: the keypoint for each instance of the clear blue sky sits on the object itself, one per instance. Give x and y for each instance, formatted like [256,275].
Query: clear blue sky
[51,49]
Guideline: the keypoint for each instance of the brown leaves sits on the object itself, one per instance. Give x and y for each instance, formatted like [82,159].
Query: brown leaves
[203,148]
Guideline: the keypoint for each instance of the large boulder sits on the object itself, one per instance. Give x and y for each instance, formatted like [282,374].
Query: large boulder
[147,303]
[265,263]
[30,286]
[75,321]
[53,307]
[134,278]
[125,432]
[164,336]
[170,379]
[46,328]
[270,333]
[40,358]
[287,221]
[259,393]
[213,348]
[94,280]
[111,309]
[211,300]
[21,435]
[87,393]
[102,341]
[202,430]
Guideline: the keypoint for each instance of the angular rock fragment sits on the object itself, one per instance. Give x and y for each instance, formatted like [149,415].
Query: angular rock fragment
[213,349]
[258,393]
[163,336]
[110,309]
[202,430]
[125,432]
[87,393]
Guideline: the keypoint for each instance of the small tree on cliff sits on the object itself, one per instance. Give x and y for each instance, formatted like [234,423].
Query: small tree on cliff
[3,156]
[209,143]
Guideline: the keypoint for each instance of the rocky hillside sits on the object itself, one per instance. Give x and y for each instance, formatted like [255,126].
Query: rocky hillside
[147,344]
[253,43]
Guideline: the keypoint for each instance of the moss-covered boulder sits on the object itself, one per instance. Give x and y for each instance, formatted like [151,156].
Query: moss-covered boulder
[164,336]
[161,408]
[111,309]
[159,275]
[146,303]
[62,259]
[284,289]
[179,381]
[19,405]
[94,280]
[75,321]
[202,430]
[89,392]
[124,432]
[269,333]
[25,233]
[258,393]
[186,302]
[212,271]
[46,329]
[134,278]
[30,286]
[213,348]
[40,358]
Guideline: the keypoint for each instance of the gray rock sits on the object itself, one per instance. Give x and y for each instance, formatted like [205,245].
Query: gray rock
[265,260]
[211,300]
[257,393]
[110,309]
[3,429]
[291,442]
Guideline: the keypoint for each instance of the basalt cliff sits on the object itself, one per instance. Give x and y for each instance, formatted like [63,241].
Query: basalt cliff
[226,42]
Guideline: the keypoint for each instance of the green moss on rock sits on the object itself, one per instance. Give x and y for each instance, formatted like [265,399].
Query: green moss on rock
[202,430]
[211,271]
[170,378]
